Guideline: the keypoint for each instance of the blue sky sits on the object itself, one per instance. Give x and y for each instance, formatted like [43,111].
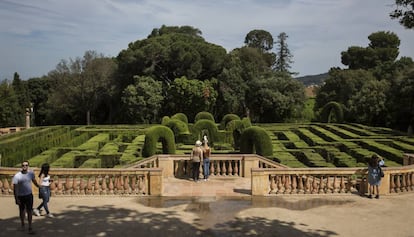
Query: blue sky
[36,34]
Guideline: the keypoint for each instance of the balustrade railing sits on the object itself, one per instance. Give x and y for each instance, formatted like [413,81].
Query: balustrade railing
[147,181]
[272,181]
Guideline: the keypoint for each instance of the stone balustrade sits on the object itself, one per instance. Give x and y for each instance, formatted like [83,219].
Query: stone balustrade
[271,181]
[268,178]
[146,181]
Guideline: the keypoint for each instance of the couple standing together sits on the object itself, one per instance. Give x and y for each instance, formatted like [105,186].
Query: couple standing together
[22,189]
[201,153]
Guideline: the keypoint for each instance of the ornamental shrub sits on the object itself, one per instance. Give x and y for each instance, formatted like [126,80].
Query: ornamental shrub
[204,115]
[255,140]
[207,127]
[227,118]
[332,112]
[158,133]
[180,116]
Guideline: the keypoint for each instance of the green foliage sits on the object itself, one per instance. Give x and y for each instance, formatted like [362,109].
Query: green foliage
[180,116]
[332,112]
[207,127]
[190,96]
[155,134]
[255,140]
[165,119]
[259,39]
[10,111]
[404,12]
[227,118]
[142,100]
[204,115]
[179,128]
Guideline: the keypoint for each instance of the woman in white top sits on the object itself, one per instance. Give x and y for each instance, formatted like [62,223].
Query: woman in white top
[44,190]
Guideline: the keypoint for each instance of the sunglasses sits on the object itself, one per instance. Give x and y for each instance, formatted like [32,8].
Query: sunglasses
[24,165]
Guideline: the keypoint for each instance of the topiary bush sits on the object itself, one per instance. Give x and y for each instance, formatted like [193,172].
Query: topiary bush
[165,119]
[207,127]
[227,118]
[204,115]
[332,112]
[255,140]
[180,116]
[155,134]
[179,128]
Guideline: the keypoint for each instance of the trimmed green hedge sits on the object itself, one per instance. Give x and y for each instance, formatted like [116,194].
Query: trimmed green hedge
[255,140]
[204,115]
[153,136]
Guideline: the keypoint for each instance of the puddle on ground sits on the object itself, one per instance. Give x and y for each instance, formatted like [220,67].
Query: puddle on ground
[223,204]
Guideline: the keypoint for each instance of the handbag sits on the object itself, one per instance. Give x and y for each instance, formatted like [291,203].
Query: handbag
[381,173]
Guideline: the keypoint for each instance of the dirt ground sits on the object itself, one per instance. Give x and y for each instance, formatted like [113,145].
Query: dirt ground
[297,215]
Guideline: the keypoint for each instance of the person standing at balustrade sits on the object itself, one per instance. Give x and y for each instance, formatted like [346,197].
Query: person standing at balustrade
[206,160]
[374,175]
[196,158]
[44,190]
[23,195]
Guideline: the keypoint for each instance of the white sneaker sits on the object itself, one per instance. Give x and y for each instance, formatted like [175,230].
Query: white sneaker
[36,212]
[50,215]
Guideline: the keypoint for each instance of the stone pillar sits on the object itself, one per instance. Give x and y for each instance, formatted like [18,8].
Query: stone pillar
[155,182]
[384,188]
[260,183]
[249,162]
[27,118]
[167,164]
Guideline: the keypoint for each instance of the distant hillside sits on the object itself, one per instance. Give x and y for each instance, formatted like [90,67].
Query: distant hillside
[313,79]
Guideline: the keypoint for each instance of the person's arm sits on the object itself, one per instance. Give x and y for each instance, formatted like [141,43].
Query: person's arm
[34,180]
[15,192]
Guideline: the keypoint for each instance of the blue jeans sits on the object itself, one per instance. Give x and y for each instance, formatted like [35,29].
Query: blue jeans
[206,167]
[44,194]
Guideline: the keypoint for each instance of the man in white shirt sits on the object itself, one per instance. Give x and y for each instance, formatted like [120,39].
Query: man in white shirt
[22,189]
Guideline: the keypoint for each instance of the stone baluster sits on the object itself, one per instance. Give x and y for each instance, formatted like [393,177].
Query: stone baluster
[134,184]
[314,185]
[300,185]
[119,185]
[294,184]
[141,184]
[82,185]
[403,182]
[104,186]
[111,184]
[230,170]
[343,186]
[280,182]
[307,185]
[224,171]
[212,165]
[89,186]
[398,183]
[273,187]
[287,184]
[322,185]
[96,186]
[329,186]
[392,183]
[67,186]
[236,167]
[412,181]
[335,185]
[59,186]
[127,187]
[6,186]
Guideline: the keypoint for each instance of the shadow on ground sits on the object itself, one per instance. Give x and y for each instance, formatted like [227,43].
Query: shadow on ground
[215,218]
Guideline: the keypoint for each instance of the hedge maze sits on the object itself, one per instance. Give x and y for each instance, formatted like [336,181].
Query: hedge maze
[294,145]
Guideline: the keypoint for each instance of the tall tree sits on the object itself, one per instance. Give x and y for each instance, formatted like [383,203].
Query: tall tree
[259,39]
[80,87]
[383,48]
[11,114]
[404,12]
[143,100]
[284,58]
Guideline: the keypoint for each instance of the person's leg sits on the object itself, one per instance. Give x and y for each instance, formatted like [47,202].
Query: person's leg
[21,212]
[46,198]
[377,189]
[207,168]
[29,210]
[194,170]
[371,190]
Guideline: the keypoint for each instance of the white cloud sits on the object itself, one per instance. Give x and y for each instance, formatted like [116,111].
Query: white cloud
[35,35]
